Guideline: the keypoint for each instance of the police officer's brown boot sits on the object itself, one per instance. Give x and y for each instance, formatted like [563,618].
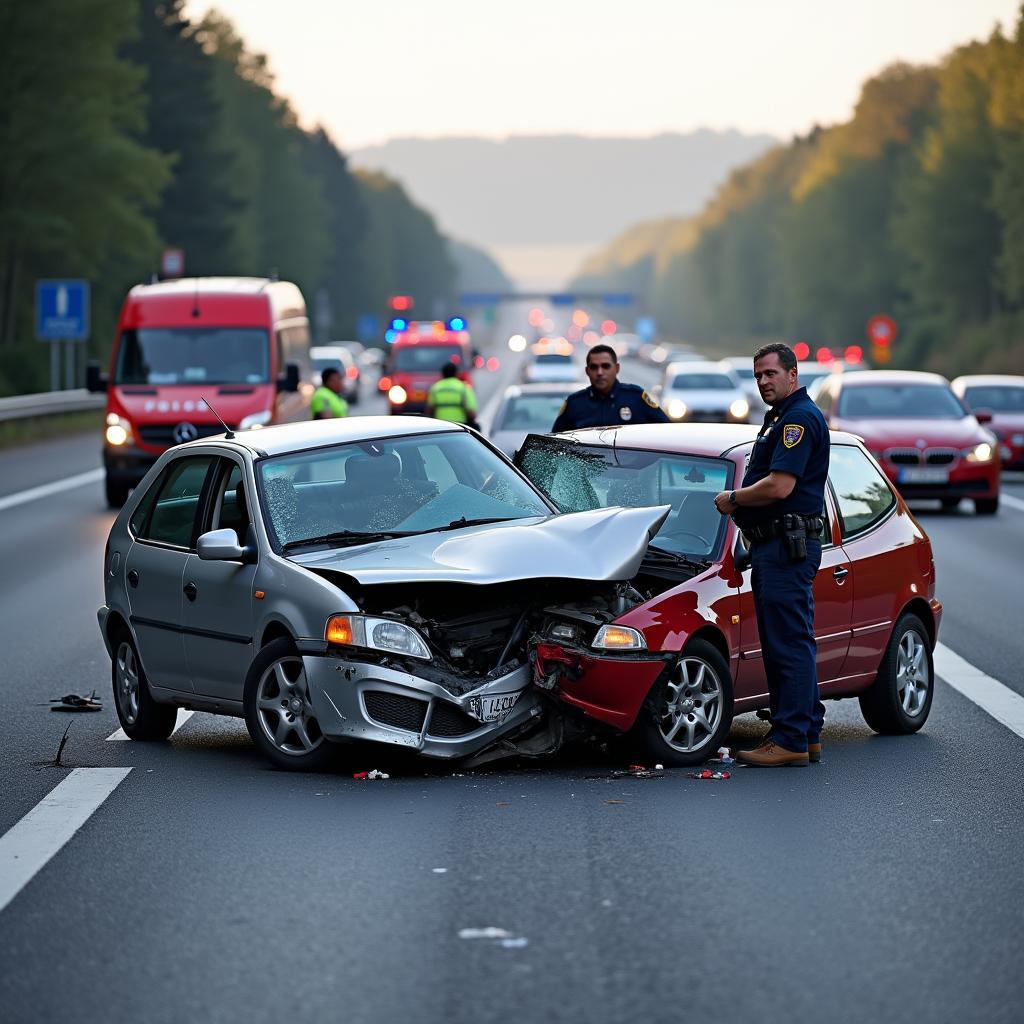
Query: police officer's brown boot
[814,752]
[771,755]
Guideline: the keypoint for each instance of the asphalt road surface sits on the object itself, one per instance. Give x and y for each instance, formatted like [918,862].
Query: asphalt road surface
[884,883]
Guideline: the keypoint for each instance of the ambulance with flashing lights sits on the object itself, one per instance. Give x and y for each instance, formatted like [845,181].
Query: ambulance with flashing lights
[417,351]
[185,348]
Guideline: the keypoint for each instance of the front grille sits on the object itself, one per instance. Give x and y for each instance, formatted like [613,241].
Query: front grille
[448,720]
[394,710]
[903,456]
[163,436]
[940,456]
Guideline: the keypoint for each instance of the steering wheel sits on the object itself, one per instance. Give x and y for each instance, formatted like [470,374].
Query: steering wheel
[705,543]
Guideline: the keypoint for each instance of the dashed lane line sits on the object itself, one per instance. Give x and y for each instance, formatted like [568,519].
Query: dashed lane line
[1003,704]
[45,490]
[183,717]
[1009,499]
[32,842]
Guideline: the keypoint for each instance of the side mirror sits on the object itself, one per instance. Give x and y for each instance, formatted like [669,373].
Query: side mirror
[223,546]
[740,554]
[290,380]
[983,415]
[95,381]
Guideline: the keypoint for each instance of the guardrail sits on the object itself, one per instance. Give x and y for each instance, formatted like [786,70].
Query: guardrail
[49,403]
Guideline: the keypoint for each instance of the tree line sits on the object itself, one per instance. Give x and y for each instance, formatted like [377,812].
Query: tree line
[914,207]
[125,129]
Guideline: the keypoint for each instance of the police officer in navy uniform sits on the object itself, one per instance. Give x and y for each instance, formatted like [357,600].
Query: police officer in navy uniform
[780,509]
[607,402]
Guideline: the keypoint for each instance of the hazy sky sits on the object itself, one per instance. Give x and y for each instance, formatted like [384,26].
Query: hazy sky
[370,71]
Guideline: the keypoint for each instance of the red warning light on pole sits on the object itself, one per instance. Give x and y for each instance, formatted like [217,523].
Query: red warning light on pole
[881,329]
[609,326]
[801,350]
[400,303]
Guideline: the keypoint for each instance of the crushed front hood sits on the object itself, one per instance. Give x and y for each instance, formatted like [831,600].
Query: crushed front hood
[605,544]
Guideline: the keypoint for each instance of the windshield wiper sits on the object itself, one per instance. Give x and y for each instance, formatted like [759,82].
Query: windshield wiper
[663,555]
[345,538]
[458,524]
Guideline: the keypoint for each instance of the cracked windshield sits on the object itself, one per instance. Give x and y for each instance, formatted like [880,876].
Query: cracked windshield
[402,485]
[577,478]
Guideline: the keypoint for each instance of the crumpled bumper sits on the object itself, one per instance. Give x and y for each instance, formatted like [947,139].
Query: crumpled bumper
[356,700]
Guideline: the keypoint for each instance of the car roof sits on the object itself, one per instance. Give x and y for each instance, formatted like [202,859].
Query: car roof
[285,438]
[697,366]
[206,286]
[711,439]
[852,378]
[989,380]
[541,388]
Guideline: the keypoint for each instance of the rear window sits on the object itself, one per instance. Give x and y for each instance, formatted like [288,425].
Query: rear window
[193,355]
[426,358]
[552,357]
[899,401]
[996,398]
[529,412]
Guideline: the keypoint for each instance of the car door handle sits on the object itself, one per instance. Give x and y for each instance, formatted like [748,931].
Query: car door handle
[840,574]
[133,577]
[190,590]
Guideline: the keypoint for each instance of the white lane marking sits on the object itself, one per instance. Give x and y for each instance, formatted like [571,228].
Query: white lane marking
[45,490]
[27,847]
[1009,499]
[1002,703]
[183,717]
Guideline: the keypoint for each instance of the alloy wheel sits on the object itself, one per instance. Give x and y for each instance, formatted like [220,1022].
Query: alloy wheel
[284,709]
[913,675]
[127,690]
[692,709]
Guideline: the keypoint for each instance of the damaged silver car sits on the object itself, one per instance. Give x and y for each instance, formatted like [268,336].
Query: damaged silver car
[376,579]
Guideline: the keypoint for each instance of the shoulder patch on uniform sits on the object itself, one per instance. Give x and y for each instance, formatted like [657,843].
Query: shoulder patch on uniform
[650,401]
[792,434]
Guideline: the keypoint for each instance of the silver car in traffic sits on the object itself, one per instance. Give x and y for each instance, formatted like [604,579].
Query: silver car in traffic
[370,579]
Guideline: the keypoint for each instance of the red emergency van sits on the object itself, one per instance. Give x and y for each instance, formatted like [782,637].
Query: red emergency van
[184,348]
[415,359]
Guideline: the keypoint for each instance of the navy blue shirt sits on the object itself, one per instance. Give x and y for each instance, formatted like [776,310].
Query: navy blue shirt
[795,440]
[625,403]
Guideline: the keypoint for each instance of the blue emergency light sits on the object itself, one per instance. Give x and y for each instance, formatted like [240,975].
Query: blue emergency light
[399,323]
[456,324]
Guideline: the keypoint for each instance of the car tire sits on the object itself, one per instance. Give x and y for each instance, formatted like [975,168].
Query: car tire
[900,698]
[278,712]
[141,717]
[986,506]
[116,492]
[701,676]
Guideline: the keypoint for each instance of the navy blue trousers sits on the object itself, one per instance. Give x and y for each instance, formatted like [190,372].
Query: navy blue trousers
[784,603]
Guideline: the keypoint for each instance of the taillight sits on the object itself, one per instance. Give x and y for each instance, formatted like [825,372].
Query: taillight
[384,384]
[352,372]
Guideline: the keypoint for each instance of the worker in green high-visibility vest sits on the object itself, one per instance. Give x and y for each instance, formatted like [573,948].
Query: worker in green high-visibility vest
[327,402]
[452,399]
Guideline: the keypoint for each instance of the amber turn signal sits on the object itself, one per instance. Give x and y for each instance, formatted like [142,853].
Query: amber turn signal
[339,630]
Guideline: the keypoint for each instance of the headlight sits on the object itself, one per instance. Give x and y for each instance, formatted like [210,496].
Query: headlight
[119,430]
[739,409]
[255,421]
[619,638]
[378,634]
[676,409]
[979,453]
[397,395]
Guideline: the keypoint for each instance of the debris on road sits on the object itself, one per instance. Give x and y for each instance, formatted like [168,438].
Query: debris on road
[615,801]
[497,936]
[74,702]
[708,774]
[57,762]
[374,774]
[634,771]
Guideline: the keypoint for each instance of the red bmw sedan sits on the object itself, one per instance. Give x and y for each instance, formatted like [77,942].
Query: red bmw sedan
[998,401]
[682,654]
[928,442]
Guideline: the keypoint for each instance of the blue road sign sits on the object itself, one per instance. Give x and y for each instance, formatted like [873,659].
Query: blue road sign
[562,299]
[617,298]
[645,327]
[368,327]
[62,310]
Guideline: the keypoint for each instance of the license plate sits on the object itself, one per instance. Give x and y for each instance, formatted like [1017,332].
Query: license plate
[494,707]
[924,475]
[417,396]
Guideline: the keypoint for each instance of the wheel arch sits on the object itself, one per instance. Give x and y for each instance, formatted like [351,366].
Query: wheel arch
[919,606]
[275,630]
[712,636]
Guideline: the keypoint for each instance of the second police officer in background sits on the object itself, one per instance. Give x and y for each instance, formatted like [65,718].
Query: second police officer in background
[779,508]
[452,399]
[607,402]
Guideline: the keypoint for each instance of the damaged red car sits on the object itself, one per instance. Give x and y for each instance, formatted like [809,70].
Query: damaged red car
[682,655]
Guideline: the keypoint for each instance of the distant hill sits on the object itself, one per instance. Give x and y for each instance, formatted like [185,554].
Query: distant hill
[560,190]
[476,270]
